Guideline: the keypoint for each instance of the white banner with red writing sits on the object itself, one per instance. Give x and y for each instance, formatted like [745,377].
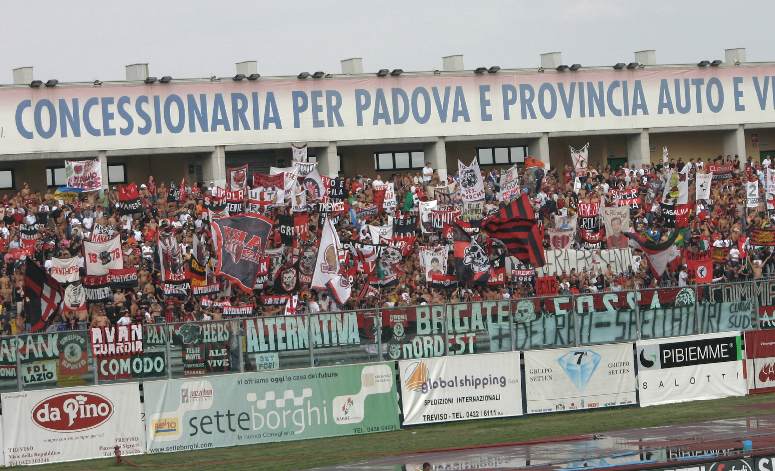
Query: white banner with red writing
[85,175]
[103,257]
[69,424]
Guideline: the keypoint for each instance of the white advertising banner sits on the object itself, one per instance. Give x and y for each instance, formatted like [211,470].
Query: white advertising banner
[68,424]
[563,261]
[691,368]
[579,378]
[457,388]
[203,113]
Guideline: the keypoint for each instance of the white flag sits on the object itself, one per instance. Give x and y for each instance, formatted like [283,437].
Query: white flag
[683,189]
[580,159]
[702,186]
[299,153]
[84,174]
[104,256]
[665,155]
[327,267]
[510,184]
[65,270]
[752,194]
[471,186]
[771,181]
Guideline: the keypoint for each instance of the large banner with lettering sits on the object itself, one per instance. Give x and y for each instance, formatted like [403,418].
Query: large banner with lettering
[52,359]
[563,261]
[267,407]
[460,388]
[693,368]
[52,426]
[760,360]
[205,113]
[579,378]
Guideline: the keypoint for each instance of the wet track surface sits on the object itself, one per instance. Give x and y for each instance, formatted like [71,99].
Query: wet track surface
[628,449]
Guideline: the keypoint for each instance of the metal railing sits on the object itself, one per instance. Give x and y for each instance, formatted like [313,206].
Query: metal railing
[55,359]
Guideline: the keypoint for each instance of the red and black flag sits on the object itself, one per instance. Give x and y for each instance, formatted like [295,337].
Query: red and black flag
[515,225]
[129,199]
[44,293]
[240,243]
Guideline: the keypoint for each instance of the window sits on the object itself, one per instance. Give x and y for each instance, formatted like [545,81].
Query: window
[117,173]
[403,160]
[7,180]
[55,176]
[501,155]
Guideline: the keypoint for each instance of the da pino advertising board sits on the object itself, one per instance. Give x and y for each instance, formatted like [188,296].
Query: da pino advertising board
[50,426]
[579,378]
[460,388]
[268,407]
[692,368]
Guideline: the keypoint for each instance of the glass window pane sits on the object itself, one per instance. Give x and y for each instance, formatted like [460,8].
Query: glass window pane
[6,178]
[518,154]
[60,177]
[501,155]
[418,159]
[384,161]
[116,173]
[485,156]
[49,177]
[402,159]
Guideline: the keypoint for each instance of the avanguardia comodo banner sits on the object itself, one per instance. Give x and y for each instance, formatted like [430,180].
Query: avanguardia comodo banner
[696,367]
[51,426]
[566,379]
[460,388]
[269,407]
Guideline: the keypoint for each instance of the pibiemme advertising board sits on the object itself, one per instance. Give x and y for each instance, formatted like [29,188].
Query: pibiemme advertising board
[460,388]
[691,368]
[579,378]
[240,409]
[71,424]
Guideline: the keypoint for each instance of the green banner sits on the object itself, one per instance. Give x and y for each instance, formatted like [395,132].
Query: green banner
[240,409]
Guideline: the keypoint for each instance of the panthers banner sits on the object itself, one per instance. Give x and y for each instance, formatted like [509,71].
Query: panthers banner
[240,243]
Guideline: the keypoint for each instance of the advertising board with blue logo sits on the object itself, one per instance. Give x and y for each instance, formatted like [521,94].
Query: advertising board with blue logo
[460,388]
[690,368]
[566,379]
[240,409]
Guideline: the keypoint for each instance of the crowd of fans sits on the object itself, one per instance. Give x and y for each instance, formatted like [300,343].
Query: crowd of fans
[65,221]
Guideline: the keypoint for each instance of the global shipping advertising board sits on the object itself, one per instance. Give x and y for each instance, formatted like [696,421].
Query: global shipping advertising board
[240,409]
[579,378]
[691,368]
[50,426]
[460,388]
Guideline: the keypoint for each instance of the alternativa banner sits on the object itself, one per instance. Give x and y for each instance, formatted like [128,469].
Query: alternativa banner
[579,378]
[51,426]
[460,388]
[270,407]
[691,368]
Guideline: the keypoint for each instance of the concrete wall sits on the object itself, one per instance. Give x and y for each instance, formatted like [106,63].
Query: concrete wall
[601,148]
[765,138]
[703,145]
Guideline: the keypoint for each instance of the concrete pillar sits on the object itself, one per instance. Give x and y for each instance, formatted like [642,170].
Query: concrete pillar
[734,142]
[22,76]
[328,161]
[638,150]
[214,168]
[453,63]
[436,154]
[102,156]
[352,66]
[539,148]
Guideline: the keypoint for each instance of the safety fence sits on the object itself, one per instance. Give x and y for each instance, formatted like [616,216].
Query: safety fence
[66,358]
[354,372]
